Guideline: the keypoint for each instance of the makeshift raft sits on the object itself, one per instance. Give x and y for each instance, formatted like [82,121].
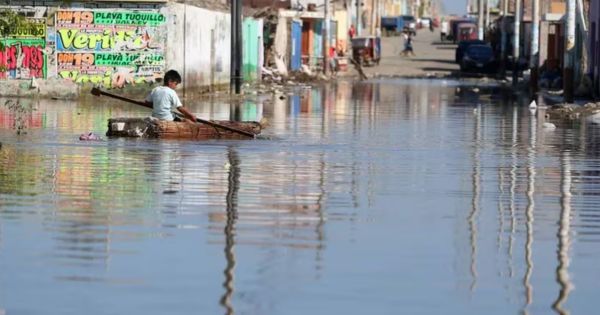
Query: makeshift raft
[160,129]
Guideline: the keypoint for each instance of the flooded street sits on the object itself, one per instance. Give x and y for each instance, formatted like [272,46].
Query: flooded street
[383,197]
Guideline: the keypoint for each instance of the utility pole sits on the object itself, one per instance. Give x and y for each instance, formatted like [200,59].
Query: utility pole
[480,19]
[373,16]
[504,38]
[569,52]
[535,45]
[326,40]
[235,80]
[358,18]
[487,16]
[517,42]
[348,14]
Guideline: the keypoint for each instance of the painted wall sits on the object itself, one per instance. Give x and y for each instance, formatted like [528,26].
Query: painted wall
[317,43]
[110,47]
[114,47]
[23,52]
[253,48]
[296,45]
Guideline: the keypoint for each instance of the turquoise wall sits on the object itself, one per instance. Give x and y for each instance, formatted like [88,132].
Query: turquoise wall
[252,38]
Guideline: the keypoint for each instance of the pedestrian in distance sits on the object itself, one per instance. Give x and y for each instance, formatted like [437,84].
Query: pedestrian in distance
[351,32]
[408,48]
[333,60]
[444,30]
[164,99]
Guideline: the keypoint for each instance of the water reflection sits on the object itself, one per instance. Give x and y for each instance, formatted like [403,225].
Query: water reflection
[564,238]
[308,225]
[529,211]
[475,202]
[231,200]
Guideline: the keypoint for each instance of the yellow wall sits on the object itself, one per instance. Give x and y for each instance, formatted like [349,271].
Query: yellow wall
[342,30]
[392,9]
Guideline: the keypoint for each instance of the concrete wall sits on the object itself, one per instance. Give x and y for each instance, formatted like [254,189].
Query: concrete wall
[198,46]
[282,40]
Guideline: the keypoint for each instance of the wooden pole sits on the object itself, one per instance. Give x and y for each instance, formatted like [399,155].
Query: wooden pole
[326,38]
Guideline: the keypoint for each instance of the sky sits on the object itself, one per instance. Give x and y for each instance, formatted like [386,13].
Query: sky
[455,6]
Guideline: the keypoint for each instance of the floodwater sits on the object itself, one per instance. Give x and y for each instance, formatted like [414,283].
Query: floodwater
[384,197]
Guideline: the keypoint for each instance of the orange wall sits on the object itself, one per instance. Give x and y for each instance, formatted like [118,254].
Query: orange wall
[558,7]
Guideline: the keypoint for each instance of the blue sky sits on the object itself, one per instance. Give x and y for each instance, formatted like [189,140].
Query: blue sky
[455,6]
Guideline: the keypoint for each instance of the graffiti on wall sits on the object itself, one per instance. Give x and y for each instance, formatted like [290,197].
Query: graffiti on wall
[22,52]
[110,48]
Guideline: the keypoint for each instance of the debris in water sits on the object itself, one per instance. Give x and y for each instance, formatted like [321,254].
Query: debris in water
[549,126]
[90,137]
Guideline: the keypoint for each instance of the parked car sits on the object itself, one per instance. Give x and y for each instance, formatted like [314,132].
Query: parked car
[478,58]
[425,22]
[392,25]
[462,47]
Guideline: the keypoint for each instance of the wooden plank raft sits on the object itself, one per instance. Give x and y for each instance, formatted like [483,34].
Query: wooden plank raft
[160,129]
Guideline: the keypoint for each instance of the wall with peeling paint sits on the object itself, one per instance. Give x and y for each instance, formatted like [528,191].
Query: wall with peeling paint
[117,47]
